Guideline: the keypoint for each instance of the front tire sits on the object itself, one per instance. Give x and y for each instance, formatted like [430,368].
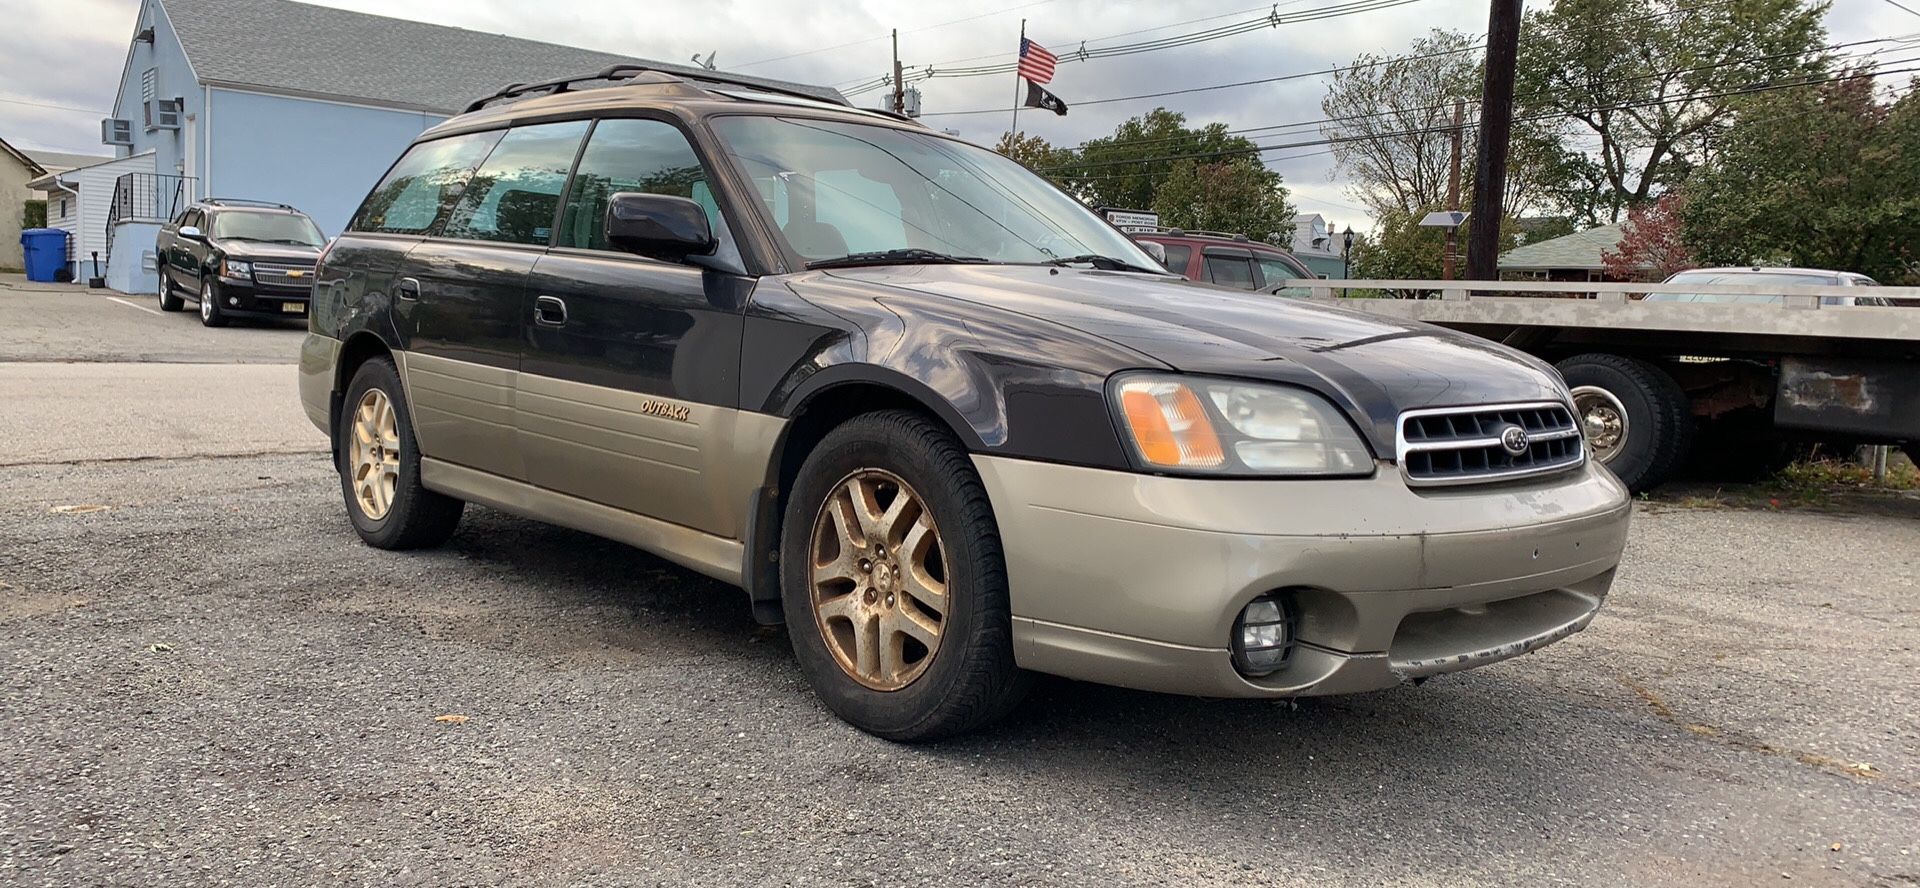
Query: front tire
[893,582]
[379,463]
[210,313]
[1637,419]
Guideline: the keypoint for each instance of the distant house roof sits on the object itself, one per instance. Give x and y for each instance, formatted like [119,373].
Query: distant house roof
[299,49]
[61,161]
[1579,250]
[26,160]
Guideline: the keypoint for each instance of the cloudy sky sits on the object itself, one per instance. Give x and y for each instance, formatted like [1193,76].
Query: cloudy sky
[54,90]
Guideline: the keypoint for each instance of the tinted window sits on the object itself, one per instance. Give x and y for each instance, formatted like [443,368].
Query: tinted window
[1276,270]
[513,196]
[643,156]
[1177,258]
[1228,271]
[422,187]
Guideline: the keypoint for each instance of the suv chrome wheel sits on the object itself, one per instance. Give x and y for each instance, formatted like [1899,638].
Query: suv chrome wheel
[878,580]
[376,454]
[1604,420]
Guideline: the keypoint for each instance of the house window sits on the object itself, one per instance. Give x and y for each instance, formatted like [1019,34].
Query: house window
[63,208]
[146,85]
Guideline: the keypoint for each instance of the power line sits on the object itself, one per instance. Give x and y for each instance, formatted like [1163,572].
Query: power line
[54,107]
[885,36]
[1903,7]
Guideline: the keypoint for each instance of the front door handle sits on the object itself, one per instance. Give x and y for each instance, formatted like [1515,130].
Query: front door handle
[407,288]
[549,311]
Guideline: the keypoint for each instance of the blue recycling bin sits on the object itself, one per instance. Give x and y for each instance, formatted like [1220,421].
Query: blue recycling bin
[46,252]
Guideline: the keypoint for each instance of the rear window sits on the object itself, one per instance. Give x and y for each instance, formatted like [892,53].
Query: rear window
[422,188]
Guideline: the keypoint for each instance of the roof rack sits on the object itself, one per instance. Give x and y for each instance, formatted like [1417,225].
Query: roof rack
[242,202]
[1196,232]
[614,73]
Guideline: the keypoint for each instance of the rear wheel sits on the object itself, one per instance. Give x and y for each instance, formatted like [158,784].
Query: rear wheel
[893,582]
[379,464]
[169,300]
[1636,418]
[210,313]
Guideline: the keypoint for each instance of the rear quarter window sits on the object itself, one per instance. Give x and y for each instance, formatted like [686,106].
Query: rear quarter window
[424,185]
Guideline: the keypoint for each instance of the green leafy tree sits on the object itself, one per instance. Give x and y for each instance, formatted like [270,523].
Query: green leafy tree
[1036,153]
[1402,249]
[1121,170]
[1238,195]
[1837,187]
[1647,80]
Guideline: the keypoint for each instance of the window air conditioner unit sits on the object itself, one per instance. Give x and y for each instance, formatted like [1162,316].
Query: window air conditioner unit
[163,114]
[114,131]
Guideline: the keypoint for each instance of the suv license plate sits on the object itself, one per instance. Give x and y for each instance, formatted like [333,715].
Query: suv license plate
[293,308]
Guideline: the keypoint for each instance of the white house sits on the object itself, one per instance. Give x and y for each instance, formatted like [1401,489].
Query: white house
[294,103]
[81,201]
[1316,243]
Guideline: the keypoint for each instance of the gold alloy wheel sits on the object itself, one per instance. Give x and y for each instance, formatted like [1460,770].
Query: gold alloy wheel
[878,580]
[1603,418]
[376,454]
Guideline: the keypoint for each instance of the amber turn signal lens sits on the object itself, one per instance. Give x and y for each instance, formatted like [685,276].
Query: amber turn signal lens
[1170,426]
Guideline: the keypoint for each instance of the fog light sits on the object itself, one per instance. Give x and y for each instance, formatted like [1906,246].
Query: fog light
[1262,637]
[233,300]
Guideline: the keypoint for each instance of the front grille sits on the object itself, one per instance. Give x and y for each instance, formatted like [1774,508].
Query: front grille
[1465,445]
[274,274]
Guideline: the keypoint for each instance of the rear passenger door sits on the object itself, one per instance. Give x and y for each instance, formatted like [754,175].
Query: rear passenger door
[462,292]
[631,376]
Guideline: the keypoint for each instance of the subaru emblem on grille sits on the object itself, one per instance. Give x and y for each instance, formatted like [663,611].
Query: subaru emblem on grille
[1513,439]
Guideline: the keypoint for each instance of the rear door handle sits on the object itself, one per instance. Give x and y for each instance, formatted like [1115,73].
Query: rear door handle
[407,288]
[549,311]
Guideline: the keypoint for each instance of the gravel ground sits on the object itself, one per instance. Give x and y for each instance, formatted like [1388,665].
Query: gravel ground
[212,682]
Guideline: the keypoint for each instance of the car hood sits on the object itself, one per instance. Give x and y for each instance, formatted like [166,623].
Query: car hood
[1374,367]
[245,249]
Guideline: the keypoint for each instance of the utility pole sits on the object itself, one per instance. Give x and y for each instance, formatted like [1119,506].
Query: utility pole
[1453,191]
[899,85]
[1496,130]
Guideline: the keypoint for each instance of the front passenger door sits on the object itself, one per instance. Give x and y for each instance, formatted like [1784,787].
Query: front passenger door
[626,396]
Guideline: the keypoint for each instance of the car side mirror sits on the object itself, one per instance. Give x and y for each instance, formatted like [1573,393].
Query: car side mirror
[658,225]
[1155,249]
[191,233]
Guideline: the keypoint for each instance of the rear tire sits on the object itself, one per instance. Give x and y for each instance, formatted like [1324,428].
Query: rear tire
[169,300]
[379,464]
[1657,432]
[968,678]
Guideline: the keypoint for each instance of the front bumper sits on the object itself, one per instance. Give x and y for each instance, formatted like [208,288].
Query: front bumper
[249,299]
[1135,580]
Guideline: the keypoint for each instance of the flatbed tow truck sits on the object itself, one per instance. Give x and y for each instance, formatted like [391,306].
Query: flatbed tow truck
[1733,385]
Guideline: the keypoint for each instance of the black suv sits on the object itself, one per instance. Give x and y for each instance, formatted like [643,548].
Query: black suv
[238,258]
[934,415]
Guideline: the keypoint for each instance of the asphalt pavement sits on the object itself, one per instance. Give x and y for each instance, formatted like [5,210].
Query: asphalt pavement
[205,679]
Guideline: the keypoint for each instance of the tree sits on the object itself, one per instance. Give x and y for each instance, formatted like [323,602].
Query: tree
[1127,168]
[1838,187]
[1648,78]
[1651,246]
[1232,195]
[1403,249]
[1037,154]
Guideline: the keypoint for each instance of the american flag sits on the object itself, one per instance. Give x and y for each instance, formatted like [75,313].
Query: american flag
[1036,63]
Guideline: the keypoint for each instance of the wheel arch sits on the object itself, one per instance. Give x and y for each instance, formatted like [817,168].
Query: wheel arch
[358,349]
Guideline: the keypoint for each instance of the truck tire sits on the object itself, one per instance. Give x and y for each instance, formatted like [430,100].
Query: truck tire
[169,300]
[1637,419]
[893,582]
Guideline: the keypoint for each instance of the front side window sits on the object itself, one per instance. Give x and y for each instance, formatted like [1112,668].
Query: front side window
[423,186]
[1277,271]
[267,228]
[833,188]
[630,155]
[1177,257]
[514,195]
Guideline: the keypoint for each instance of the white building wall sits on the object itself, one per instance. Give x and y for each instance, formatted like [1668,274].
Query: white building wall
[88,209]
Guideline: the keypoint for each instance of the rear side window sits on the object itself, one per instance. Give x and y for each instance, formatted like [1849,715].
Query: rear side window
[1177,258]
[423,186]
[642,156]
[1231,271]
[514,195]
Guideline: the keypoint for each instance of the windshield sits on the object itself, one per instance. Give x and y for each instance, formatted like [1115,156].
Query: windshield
[837,189]
[1743,279]
[273,228]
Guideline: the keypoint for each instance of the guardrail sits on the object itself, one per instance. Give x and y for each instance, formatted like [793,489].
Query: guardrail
[1804,296]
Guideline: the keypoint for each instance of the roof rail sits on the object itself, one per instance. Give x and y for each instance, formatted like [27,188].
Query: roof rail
[626,72]
[243,202]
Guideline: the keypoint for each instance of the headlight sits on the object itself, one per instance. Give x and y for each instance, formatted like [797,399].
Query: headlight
[1236,428]
[236,268]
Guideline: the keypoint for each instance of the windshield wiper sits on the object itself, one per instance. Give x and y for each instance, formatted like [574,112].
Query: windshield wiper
[1105,263]
[907,256]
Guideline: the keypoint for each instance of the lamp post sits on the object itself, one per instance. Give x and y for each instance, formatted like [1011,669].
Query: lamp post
[1346,255]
